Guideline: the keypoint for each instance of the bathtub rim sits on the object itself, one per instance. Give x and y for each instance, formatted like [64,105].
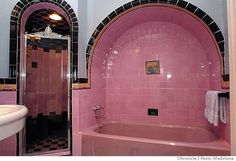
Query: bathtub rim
[217,144]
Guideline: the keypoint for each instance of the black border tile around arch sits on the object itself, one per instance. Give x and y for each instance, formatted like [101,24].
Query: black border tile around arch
[213,27]
[222,46]
[135,3]
[200,13]
[182,4]
[207,19]
[163,1]
[127,6]
[219,37]
[120,10]
[192,8]
[172,2]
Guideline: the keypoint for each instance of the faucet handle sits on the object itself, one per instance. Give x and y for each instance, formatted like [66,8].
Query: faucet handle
[97,107]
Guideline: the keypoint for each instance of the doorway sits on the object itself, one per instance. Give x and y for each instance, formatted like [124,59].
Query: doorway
[46,85]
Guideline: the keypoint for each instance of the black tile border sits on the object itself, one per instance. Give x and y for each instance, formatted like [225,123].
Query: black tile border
[200,15]
[15,22]
[225,77]
[7,81]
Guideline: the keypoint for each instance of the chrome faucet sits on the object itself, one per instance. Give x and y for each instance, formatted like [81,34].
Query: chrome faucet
[99,114]
[97,108]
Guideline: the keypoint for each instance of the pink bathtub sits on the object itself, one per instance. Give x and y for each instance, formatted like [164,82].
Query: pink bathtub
[123,139]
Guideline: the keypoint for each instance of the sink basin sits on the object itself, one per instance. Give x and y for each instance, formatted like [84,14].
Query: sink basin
[12,119]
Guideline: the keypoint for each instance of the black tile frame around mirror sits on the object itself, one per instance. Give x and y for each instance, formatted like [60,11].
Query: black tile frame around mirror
[15,21]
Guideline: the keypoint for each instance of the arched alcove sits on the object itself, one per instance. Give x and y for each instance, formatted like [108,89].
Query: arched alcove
[190,64]
[206,23]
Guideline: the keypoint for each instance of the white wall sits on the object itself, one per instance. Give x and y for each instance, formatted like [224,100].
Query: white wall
[90,13]
[217,9]
[5,11]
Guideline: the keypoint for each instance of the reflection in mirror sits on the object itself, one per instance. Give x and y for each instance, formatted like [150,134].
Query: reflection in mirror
[46,84]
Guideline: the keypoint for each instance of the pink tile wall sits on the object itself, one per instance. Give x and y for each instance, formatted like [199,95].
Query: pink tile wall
[42,96]
[223,130]
[186,52]
[8,145]
[130,92]
[7,97]
[83,101]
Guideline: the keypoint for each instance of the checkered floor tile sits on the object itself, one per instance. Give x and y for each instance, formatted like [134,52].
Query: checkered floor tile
[49,144]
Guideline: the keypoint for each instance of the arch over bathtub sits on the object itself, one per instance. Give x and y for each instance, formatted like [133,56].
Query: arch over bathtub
[196,13]
[16,29]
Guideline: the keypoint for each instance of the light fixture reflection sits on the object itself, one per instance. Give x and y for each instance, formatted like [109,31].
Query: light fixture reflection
[55,16]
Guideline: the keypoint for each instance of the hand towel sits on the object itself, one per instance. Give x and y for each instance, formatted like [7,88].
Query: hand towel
[211,111]
[222,109]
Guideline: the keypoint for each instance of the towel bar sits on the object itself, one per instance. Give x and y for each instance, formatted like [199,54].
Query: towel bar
[226,94]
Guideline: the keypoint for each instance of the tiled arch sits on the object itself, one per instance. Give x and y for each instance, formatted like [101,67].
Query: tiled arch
[15,22]
[199,14]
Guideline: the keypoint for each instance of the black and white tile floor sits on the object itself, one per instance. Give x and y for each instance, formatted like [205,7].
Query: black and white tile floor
[49,144]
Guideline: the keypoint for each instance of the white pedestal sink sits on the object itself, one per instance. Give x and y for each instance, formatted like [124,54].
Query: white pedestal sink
[12,119]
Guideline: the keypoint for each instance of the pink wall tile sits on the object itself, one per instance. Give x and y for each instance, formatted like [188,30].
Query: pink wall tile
[186,51]
[8,146]
[8,97]
[180,98]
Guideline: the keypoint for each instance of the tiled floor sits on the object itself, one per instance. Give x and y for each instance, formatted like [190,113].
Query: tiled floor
[49,144]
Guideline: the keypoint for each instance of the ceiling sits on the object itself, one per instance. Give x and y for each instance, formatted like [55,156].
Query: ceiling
[39,20]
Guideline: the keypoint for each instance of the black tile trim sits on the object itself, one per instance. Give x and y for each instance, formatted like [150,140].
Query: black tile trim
[182,4]
[7,81]
[83,80]
[213,27]
[219,37]
[200,13]
[106,21]
[208,20]
[120,10]
[225,77]
[127,6]
[222,46]
[144,1]
[153,1]
[100,27]
[172,2]
[112,15]
[135,3]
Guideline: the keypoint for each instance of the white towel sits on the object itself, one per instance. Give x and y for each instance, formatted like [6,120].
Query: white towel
[215,107]
[222,109]
[212,107]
